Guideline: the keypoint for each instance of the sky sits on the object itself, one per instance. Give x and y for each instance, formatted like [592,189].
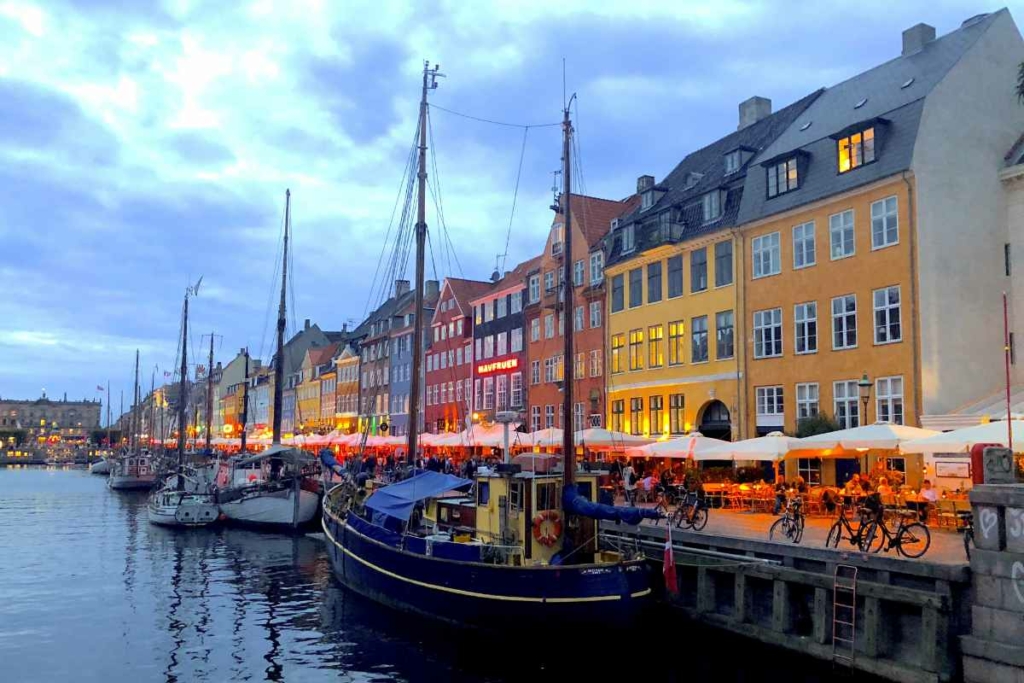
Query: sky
[144,145]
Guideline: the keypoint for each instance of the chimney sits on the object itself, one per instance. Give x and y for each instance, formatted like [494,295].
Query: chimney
[401,287]
[644,182]
[431,289]
[916,37]
[305,328]
[753,110]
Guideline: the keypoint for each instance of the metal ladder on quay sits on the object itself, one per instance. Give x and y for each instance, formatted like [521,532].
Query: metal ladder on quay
[844,614]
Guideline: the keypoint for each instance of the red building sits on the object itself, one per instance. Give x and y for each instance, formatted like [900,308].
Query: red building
[545,317]
[449,360]
[499,349]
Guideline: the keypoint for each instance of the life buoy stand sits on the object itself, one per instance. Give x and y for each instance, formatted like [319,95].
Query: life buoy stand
[547,527]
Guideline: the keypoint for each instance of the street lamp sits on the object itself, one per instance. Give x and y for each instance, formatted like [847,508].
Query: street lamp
[864,386]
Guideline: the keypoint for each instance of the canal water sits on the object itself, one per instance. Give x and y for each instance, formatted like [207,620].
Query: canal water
[91,592]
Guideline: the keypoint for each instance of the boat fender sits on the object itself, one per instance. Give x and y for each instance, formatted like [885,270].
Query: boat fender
[547,527]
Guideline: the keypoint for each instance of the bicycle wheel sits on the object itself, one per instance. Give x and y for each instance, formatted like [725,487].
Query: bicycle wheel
[873,539]
[700,519]
[778,531]
[968,539]
[913,540]
[798,531]
[681,518]
[835,534]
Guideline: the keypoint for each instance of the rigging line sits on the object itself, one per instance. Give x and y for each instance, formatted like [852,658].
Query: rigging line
[515,196]
[278,254]
[496,123]
[436,194]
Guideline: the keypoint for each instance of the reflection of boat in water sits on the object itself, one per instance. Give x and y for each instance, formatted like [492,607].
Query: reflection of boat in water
[521,548]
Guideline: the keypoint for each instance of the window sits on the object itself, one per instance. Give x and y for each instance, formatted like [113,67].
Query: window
[654,282]
[782,178]
[856,150]
[699,339]
[489,346]
[655,352]
[502,403]
[618,410]
[535,330]
[636,352]
[549,369]
[732,162]
[577,320]
[458,391]
[517,340]
[769,401]
[469,353]
[675,277]
[840,234]
[477,396]
[887,315]
[534,289]
[656,407]
[636,287]
[809,469]
[444,360]
[768,333]
[712,204]
[889,399]
[595,363]
[699,270]
[676,347]
[516,302]
[503,343]
[723,264]
[618,342]
[535,372]
[458,323]
[578,273]
[628,243]
[549,326]
[885,225]
[549,281]
[617,293]
[897,465]
[724,347]
[806,400]
[502,307]
[561,323]
[595,314]
[549,416]
[806,333]
[847,411]
[557,236]
[844,322]
[488,393]
[676,417]
[803,245]
[580,370]
[767,260]
[534,418]
[636,415]
[488,311]
[577,417]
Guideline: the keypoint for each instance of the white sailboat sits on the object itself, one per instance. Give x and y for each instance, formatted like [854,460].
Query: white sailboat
[280,495]
[135,469]
[101,466]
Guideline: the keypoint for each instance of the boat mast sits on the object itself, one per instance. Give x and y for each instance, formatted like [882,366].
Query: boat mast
[568,311]
[245,399]
[209,395]
[182,390]
[429,83]
[133,424]
[120,419]
[152,405]
[110,444]
[279,365]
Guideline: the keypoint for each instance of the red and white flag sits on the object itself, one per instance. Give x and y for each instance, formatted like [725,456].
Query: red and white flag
[669,563]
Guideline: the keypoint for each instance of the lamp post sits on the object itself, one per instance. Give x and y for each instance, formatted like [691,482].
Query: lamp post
[864,386]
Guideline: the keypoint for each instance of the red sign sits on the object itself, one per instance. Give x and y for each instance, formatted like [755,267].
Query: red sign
[495,366]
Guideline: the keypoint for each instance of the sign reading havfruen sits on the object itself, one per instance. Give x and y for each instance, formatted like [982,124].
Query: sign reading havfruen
[497,365]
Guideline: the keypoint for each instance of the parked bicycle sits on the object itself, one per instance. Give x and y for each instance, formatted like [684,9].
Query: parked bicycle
[790,526]
[842,528]
[910,538]
[691,513]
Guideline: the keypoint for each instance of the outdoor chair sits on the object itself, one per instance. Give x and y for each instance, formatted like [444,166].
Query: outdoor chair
[961,512]
[945,513]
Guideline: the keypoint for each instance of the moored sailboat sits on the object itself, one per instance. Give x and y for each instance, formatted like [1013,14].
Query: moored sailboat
[519,548]
[134,469]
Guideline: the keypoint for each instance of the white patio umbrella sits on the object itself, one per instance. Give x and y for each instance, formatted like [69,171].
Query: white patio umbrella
[960,440]
[877,435]
[605,439]
[694,445]
[772,448]
[552,436]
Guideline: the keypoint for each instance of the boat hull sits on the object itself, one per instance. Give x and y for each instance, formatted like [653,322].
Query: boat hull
[131,483]
[102,467]
[272,509]
[484,595]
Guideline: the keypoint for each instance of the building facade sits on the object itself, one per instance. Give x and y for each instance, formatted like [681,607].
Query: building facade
[44,418]
[401,361]
[346,412]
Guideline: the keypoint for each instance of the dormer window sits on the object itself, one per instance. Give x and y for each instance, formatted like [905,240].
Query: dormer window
[557,238]
[692,178]
[712,203]
[856,149]
[782,177]
[628,243]
[732,161]
[647,200]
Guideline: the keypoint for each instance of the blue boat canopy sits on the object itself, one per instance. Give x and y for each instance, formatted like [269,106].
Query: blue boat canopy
[398,500]
[575,503]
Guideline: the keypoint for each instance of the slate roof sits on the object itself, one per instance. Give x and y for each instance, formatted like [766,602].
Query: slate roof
[705,169]
[894,92]
[464,291]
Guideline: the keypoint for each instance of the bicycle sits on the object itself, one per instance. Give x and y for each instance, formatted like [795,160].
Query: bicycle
[910,540]
[662,502]
[968,518]
[790,526]
[842,523]
[691,513]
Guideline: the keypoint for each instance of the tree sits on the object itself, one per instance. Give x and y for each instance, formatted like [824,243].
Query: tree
[818,424]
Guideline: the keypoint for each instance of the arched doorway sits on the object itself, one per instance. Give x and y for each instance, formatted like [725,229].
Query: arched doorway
[715,421]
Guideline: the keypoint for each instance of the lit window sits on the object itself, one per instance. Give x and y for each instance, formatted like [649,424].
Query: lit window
[636,415]
[782,178]
[636,354]
[856,150]
[655,346]
[676,342]
[618,343]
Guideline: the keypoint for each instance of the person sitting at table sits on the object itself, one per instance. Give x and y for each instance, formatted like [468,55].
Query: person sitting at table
[666,478]
[865,484]
[927,496]
[780,493]
[883,487]
[853,485]
[801,486]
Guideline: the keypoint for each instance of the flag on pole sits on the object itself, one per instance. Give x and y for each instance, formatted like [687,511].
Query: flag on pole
[99,388]
[669,563]
[166,374]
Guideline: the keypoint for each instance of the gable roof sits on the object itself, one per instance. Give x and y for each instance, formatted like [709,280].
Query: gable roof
[594,215]
[890,96]
[320,355]
[462,291]
[516,275]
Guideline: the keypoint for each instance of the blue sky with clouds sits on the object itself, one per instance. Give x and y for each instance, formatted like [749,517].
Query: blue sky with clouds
[143,144]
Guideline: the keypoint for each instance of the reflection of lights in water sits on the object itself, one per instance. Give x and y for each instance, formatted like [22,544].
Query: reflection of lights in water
[176,627]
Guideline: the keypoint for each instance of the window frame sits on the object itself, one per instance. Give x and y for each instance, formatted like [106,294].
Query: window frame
[800,245]
[845,316]
[842,229]
[699,339]
[787,171]
[773,251]
[636,284]
[884,216]
[888,399]
[850,397]
[636,350]
[731,341]
[676,342]
[654,285]
[596,267]
[856,160]
[762,339]
[886,310]
[617,299]
[805,401]
[799,309]
[677,259]
[699,270]
[723,264]
[655,346]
